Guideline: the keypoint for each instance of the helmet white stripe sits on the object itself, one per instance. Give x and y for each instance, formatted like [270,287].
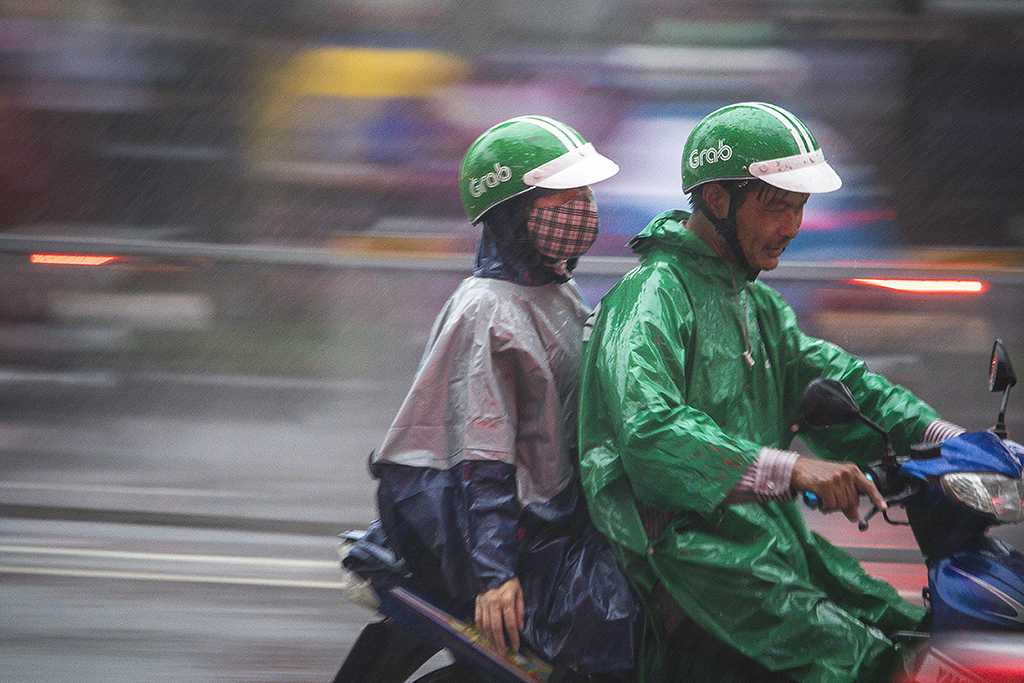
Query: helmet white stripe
[800,134]
[563,134]
[800,126]
[797,124]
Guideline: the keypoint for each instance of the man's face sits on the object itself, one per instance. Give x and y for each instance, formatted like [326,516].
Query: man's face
[767,219]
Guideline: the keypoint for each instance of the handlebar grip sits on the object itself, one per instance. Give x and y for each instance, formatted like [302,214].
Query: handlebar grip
[813,502]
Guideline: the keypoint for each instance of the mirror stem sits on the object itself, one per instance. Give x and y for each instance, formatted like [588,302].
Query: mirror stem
[1000,429]
[889,455]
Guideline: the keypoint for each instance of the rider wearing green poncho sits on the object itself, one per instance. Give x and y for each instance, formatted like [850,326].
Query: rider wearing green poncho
[692,380]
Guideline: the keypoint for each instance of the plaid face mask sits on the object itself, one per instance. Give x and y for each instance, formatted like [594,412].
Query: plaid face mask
[566,231]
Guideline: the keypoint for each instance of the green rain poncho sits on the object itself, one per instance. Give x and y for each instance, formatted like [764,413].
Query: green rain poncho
[672,414]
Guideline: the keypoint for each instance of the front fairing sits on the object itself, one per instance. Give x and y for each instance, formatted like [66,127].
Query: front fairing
[942,525]
[976,582]
[970,452]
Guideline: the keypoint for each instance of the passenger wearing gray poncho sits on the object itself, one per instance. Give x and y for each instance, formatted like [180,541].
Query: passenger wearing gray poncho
[479,497]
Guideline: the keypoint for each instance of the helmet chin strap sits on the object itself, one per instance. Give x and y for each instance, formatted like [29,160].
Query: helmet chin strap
[727,228]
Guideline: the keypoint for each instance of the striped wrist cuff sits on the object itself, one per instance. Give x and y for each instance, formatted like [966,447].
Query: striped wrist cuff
[940,430]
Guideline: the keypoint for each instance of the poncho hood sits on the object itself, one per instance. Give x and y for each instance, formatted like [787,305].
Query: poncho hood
[668,231]
[668,228]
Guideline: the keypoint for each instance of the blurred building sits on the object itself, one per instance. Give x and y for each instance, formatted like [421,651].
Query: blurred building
[254,120]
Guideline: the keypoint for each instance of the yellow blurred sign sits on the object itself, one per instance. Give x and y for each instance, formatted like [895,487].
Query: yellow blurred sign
[307,88]
[368,72]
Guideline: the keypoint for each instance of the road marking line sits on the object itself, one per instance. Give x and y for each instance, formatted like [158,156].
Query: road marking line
[911,596]
[168,557]
[173,578]
[86,488]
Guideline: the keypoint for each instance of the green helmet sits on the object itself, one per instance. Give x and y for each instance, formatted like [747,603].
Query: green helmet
[756,140]
[526,152]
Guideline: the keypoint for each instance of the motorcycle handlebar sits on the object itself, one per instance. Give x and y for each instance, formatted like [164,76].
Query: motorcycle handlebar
[814,502]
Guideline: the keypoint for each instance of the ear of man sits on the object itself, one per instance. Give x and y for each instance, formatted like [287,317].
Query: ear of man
[716,198]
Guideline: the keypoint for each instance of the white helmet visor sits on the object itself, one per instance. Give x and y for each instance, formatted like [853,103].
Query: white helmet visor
[576,168]
[799,173]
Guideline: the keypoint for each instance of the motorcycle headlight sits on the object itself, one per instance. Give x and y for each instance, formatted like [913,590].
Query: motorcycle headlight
[996,495]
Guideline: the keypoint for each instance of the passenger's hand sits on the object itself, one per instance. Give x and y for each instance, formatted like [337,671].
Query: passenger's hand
[838,485]
[500,611]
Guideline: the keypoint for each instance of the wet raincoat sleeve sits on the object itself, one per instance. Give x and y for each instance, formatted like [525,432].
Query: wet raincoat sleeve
[460,420]
[493,515]
[484,415]
[901,414]
[675,455]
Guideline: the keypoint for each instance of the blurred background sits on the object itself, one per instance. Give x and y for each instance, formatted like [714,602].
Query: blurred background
[226,227]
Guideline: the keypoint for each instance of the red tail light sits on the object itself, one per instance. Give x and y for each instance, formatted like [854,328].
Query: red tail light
[72,259]
[926,286]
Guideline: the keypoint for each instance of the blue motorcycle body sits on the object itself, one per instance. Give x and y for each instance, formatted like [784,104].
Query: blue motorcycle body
[976,582]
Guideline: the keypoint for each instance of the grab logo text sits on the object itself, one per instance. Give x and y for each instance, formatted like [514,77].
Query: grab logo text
[710,155]
[477,186]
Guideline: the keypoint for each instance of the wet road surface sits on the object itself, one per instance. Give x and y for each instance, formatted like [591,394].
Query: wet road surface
[163,533]
[110,603]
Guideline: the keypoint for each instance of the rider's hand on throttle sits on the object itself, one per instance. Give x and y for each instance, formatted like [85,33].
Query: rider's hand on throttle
[838,485]
[500,611]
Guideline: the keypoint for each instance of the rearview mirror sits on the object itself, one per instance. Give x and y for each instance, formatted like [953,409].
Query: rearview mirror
[828,402]
[1001,376]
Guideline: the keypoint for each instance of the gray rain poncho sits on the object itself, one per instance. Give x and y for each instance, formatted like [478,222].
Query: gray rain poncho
[477,473]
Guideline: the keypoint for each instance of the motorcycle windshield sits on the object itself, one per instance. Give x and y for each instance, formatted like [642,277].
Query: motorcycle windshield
[971,452]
